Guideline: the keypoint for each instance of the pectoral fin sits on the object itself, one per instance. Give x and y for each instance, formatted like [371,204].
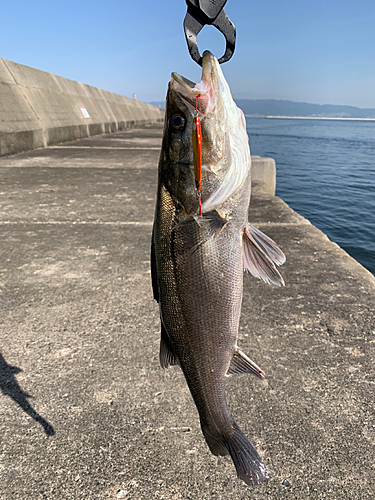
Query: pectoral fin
[260,254]
[243,364]
[210,224]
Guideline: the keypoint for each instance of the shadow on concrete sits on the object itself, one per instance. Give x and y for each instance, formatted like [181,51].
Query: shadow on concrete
[9,387]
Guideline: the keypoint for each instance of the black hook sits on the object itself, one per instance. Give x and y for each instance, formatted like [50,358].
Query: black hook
[202,12]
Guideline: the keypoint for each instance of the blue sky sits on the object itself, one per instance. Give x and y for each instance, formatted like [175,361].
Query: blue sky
[302,50]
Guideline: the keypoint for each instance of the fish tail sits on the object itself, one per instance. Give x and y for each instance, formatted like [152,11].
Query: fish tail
[215,441]
[249,466]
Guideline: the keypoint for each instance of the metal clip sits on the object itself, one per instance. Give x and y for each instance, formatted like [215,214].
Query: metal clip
[202,12]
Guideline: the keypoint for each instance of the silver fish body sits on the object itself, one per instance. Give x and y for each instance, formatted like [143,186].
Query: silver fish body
[198,260]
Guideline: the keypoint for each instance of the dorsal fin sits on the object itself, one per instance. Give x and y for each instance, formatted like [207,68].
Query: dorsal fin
[154,278]
[166,356]
[243,364]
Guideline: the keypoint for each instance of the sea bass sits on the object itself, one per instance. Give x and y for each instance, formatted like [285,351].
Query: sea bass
[201,244]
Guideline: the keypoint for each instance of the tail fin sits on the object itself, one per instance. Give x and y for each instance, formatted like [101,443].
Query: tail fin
[249,466]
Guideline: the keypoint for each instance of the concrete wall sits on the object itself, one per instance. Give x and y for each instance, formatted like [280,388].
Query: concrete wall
[263,175]
[38,109]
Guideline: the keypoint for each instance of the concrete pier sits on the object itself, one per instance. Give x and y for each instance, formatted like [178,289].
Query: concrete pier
[38,109]
[86,412]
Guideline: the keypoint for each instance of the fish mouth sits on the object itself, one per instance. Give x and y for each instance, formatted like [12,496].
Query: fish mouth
[201,95]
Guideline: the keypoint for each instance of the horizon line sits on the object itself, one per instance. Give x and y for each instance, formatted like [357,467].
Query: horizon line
[311,118]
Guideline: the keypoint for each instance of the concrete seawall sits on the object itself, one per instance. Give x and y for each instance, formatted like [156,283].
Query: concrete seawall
[38,109]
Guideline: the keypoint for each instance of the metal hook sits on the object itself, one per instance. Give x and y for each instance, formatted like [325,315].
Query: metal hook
[202,12]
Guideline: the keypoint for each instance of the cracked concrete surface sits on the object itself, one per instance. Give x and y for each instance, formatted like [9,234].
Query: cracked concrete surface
[86,412]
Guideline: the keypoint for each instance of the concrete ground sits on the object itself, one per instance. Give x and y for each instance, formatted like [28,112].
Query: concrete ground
[86,412]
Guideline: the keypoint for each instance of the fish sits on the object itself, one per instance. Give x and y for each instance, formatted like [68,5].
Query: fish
[201,245]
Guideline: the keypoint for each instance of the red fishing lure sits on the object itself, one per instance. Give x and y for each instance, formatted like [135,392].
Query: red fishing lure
[197,152]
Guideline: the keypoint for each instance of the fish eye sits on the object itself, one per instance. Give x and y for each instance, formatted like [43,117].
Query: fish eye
[177,122]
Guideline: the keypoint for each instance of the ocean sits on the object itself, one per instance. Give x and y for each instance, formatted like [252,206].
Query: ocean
[325,172]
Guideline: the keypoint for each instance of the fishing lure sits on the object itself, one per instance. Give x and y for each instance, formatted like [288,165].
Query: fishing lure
[197,152]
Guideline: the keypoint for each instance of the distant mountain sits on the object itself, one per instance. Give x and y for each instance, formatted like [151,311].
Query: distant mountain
[159,104]
[273,107]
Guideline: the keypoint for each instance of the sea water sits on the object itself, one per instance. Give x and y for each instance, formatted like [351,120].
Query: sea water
[325,172]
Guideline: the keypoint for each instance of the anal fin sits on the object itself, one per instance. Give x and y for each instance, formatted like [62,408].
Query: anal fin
[243,364]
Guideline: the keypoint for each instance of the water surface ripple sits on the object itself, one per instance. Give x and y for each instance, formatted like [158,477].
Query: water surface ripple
[326,172]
